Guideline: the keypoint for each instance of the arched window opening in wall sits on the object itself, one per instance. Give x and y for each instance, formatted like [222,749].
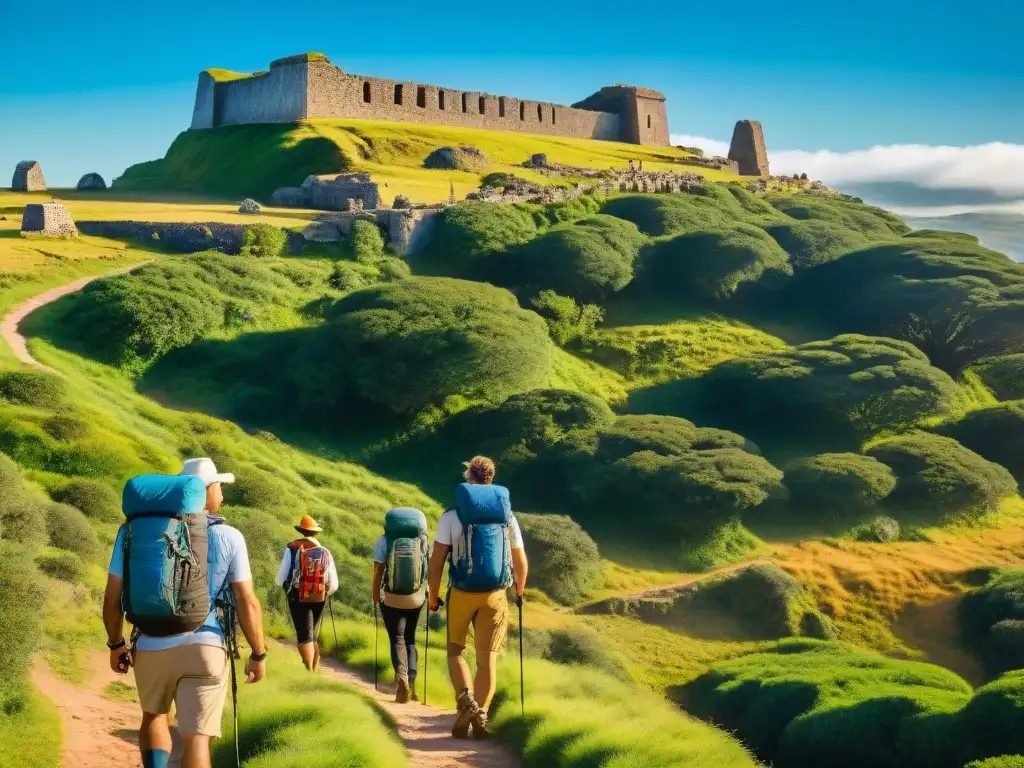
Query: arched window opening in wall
[483,106]
[366,92]
[398,94]
[553,121]
[522,111]
[540,114]
[465,103]
[421,97]
[440,99]
[648,121]
[501,106]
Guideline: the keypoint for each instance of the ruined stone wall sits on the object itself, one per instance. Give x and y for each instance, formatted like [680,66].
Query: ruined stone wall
[202,112]
[333,93]
[277,96]
[748,150]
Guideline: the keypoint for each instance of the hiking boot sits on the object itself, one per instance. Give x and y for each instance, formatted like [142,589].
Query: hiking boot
[466,709]
[479,723]
[402,694]
[413,696]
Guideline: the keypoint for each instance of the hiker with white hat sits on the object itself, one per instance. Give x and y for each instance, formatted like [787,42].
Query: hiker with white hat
[309,577]
[181,601]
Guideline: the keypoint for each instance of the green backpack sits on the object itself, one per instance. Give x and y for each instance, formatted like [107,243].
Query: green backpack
[405,567]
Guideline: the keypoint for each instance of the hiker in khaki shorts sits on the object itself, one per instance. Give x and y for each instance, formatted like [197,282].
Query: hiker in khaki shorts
[481,523]
[188,669]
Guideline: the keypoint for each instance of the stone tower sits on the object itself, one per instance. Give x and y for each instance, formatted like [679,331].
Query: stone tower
[28,177]
[748,150]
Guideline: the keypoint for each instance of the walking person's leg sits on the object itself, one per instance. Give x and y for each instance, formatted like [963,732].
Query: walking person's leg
[462,607]
[200,701]
[490,629]
[412,620]
[155,681]
[302,619]
[317,612]
[394,622]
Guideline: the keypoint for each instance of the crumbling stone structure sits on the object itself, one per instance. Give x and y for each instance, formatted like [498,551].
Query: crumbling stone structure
[91,182]
[748,150]
[28,177]
[309,86]
[49,220]
[335,192]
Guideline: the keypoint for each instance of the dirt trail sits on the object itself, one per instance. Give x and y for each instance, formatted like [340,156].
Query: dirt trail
[426,730]
[98,732]
[11,321]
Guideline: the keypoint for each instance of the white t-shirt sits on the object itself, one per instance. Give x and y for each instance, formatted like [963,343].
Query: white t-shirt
[284,570]
[450,533]
[380,555]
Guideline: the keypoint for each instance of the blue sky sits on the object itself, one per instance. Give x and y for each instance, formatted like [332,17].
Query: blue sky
[101,85]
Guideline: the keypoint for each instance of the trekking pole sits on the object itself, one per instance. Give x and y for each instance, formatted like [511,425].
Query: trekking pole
[232,641]
[522,685]
[337,648]
[376,636]
[426,654]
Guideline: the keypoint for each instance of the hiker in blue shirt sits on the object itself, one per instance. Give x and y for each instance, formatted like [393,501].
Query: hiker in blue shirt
[188,669]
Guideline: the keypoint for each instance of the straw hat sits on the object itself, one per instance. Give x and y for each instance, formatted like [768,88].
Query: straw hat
[307,525]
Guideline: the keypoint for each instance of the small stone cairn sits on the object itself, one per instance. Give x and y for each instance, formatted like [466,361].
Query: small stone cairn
[249,206]
[28,177]
[91,182]
[48,220]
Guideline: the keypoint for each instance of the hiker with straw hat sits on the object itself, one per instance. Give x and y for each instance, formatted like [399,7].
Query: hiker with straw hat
[309,578]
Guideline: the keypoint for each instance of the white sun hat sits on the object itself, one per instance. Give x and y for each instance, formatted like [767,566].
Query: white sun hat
[206,471]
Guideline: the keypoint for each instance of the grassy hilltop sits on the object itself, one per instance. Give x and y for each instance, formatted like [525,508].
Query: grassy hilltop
[761,445]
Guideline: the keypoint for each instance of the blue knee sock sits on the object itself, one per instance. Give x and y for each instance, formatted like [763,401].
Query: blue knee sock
[155,758]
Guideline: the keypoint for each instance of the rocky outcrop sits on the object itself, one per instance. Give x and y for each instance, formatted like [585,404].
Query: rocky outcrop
[28,177]
[249,206]
[463,158]
[48,220]
[91,182]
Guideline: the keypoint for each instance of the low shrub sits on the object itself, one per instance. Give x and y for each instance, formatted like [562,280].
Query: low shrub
[364,244]
[467,237]
[19,511]
[96,500]
[68,529]
[65,566]
[255,488]
[837,483]
[564,560]
[1003,761]
[567,321]
[991,620]
[996,433]
[1004,376]
[463,158]
[66,428]
[814,242]
[43,390]
[937,478]
[263,241]
[580,646]
[879,530]
[21,626]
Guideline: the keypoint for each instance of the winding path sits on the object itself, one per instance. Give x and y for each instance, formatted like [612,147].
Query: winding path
[12,320]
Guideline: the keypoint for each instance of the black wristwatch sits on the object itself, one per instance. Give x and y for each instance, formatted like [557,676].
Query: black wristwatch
[258,657]
[119,644]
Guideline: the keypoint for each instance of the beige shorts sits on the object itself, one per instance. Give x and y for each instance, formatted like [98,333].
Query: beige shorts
[487,612]
[193,677]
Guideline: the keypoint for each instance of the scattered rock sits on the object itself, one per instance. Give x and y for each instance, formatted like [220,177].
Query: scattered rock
[463,158]
[401,201]
[539,160]
[290,197]
[49,220]
[91,181]
[249,206]
[28,177]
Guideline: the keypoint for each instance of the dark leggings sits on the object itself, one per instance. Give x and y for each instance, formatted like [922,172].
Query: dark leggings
[401,626]
[306,618]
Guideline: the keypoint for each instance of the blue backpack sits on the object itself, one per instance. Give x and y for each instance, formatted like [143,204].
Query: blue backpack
[485,564]
[166,541]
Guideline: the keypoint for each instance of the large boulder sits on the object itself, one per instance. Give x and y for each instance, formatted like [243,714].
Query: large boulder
[249,206]
[90,182]
[48,219]
[290,197]
[28,177]
[463,158]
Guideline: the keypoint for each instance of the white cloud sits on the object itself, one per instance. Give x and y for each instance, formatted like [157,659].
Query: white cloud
[996,166]
[711,147]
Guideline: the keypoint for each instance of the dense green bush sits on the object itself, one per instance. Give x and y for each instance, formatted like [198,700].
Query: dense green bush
[65,566]
[255,488]
[19,512]
[806,703]
[467,236]
[1004,376]
[43,390]
[1003,761]
[832,393]
[868,220]
[21,625]
[68,529]
[937,478]
[991,620]
[879,530]
[580,646]
[712,207]
[97,500]
[413,343]
[814,242]
[364,244]
[839,483]
[465,158]
[263,241]
[997,433]
[712,264]
[589,259]
[567,321]
[66,428]
[564,560]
